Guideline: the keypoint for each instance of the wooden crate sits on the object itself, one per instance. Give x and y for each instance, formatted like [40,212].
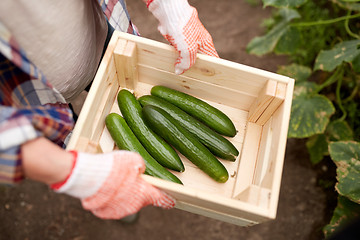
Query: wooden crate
[257,101]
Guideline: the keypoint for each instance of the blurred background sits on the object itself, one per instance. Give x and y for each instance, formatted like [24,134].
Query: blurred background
[32,211]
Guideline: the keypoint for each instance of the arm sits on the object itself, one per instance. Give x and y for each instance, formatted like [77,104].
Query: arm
[45,161]
[109,185]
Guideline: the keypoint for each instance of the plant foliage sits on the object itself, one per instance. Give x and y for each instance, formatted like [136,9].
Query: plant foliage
[321,39]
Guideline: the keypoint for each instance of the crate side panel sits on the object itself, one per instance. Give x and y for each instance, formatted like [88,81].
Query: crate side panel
[263,100]
[240,99]
[216,71]
[106,142]
[103,109]
[275,103]
[214,202]
[215,214]
[256,195]
[217,74]
[249,153]
[265,148]
[279,125]
[206,68]
[100,96]
[125,55]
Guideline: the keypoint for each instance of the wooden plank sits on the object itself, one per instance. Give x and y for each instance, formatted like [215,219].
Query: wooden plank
[204,90]
[119,61]
[263,100]
[280,125]
[126,63]
[218,215]
[213,70]
[210,69]
[204,202]
[275,103]
[262,160]
[130,65]
[93,147]
[105,101]
[106,142]
[256,195]
[246,170]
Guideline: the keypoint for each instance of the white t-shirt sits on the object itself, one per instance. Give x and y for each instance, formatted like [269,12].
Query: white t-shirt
[64,39]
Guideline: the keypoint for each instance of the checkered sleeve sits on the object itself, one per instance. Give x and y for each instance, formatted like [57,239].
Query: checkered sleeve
[29,108]
[118,16]
[21,124]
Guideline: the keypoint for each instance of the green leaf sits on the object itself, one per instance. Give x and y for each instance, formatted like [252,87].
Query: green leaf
[265,44]
[298,72]
[356,63]
[310,112]
[346,51]
[347,5]
[339,131]
[344,213]
[305,88]
[289,42]
[284,3]
[346,155]
[317,146]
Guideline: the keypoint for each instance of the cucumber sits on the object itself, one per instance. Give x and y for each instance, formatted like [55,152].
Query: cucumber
[217,144]
[126,140]
[168,128]
[160,150]
[211,116]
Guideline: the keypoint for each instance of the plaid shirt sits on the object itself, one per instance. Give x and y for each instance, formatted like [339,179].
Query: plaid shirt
[29,106]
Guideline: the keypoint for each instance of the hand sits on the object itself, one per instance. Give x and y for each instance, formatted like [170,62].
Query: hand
[180,25]
[110,185]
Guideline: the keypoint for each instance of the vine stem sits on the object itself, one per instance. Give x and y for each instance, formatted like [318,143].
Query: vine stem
[338,97]
[352,95]
[347,28]
[321,22]
[330,80]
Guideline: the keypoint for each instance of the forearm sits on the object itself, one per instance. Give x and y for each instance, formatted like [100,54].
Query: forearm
[45,161]
[109,184]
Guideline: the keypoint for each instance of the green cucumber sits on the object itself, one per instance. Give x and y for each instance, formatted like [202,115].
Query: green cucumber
[217,144]
[168,128]
[126,140]
[160,150]
[211,116]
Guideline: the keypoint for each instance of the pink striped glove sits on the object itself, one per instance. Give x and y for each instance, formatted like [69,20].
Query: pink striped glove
[181,27]
[110,186]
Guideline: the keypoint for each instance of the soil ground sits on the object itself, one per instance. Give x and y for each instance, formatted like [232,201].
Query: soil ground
[32,211]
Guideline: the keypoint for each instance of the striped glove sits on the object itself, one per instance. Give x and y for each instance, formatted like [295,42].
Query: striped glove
[181,27]
[110,186]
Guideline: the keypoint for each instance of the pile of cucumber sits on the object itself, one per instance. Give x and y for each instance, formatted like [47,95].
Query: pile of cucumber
[153,125]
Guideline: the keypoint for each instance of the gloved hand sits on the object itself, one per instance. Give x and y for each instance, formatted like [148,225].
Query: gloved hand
[180,25]
[110,186]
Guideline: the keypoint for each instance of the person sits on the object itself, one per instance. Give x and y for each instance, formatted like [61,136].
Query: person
[49,53]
